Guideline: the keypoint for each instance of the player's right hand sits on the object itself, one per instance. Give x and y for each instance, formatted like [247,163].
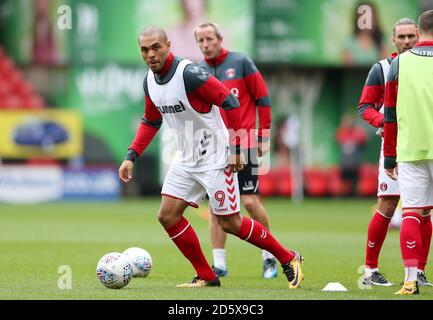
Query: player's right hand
[237,162]
[263,147]
[125,171]
[392,173]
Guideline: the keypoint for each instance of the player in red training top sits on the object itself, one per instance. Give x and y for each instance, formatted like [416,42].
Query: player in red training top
[187,97]
[240,75]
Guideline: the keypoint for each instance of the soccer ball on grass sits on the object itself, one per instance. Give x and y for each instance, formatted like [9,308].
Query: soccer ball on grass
[114,270]
[140,260]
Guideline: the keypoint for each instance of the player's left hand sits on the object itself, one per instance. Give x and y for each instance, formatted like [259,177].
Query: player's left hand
[237,162]
[392,173]
[263,147]
[125,171]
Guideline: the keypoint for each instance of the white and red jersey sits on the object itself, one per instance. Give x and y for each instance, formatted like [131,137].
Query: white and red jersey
[187,97]
[202,138]
[370,106]
[371,109]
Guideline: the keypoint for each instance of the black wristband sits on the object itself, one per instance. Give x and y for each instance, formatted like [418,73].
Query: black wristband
[131,155]
[390,162]
[262,139]
[235,149]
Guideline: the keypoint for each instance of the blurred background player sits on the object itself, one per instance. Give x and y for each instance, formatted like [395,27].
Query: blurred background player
[184,95]
[352,139]
[371,110]
[408,104]
[241,76]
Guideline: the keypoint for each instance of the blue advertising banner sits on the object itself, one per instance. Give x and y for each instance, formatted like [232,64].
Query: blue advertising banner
[35,184]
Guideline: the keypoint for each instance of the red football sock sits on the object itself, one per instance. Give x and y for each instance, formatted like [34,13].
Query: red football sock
[185,238]
[253,232]
[377,230]
[410,239]
[426,233]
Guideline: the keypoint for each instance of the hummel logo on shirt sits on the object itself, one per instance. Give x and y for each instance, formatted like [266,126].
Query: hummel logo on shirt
[172,109]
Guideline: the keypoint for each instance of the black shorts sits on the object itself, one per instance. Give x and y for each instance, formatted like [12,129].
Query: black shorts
[248,177]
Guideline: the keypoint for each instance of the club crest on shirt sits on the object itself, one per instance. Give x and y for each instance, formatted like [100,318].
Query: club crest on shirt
[383,186]
[230,73]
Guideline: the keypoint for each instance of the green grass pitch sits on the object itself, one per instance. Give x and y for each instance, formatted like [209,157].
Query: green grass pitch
[35,240]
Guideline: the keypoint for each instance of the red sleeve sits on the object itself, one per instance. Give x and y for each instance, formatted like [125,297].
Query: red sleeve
[213,92]
[371,97]
[234,124]
[390,127]
[151,113]
[264,122]
[257,88]
[148,128]
[373,117]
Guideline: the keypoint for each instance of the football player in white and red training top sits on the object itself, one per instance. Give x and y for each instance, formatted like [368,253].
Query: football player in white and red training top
[187,98]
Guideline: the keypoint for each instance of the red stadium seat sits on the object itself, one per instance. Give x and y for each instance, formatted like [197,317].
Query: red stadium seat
[5,88]
[15,77]
[12,102]
[15,92]
[33,102]
[336,186]
[315,182]
[267,184]
[368,170]
[6,65]
[283,179]
[24,89]
[367,185]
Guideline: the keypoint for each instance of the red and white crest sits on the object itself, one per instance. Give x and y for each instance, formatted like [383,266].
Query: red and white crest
[230,73]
